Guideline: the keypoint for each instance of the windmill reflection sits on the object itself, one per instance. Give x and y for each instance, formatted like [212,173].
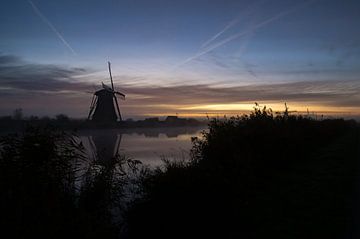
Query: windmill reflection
[104,146]
[148,145]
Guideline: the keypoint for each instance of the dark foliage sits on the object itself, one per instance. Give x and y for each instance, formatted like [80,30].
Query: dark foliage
[254,176]
[257,176]
[50,189]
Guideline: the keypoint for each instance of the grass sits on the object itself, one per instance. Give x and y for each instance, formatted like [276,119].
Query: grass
[50,189]
[257,176]
[254,176]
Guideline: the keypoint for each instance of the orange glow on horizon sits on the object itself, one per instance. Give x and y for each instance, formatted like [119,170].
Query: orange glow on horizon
[234,109]
[274,106]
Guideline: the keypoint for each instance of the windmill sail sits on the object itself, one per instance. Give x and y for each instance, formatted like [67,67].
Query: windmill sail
[122,96]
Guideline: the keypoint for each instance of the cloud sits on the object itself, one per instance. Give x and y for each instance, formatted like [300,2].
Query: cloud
[244,33]
[9,59]
[250,9]
[42,89]
[52,89]
[324,91]
[18,74]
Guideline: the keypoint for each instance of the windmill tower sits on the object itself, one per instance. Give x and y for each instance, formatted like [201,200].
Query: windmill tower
[104,102]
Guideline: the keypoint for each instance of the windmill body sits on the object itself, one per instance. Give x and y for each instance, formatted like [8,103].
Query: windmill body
[104,110]
[104,105]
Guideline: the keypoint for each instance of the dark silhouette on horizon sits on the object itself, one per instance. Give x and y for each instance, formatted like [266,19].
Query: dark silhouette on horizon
[103,103]
[17,122]
[254,176]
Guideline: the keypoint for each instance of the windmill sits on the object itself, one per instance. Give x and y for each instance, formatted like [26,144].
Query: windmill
[104,102]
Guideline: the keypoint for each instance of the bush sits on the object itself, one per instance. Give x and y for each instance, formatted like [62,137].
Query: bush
[256,176]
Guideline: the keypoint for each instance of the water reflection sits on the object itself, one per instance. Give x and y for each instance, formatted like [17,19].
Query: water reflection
[104,144]
[148,145]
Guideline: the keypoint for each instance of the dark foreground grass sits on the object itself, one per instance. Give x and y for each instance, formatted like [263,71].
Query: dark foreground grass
[257,176]
[50,189]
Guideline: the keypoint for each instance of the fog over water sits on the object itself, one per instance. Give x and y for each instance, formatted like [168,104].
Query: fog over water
[149,145]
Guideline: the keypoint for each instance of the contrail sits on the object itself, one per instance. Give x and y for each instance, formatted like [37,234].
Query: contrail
[229,25]
[45,20]
[233,22]
[243,33]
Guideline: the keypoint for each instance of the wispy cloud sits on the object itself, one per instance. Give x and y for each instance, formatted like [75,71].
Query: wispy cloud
[52,27]
[332,92]
[52,89]
[245,32]
[18,74]
[247,11]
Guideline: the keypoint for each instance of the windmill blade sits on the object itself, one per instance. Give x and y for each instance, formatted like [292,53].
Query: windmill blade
[90,112]
[92,148]
[117,107]
[117,145]
[92,106]
[112,84]
[120,94]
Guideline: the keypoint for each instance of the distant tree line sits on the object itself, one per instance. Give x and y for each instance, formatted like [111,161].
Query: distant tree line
[18,121]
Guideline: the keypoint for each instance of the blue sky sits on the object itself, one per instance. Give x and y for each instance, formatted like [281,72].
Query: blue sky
[157,47]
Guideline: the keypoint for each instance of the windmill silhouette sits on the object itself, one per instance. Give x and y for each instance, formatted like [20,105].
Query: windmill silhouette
[103,103]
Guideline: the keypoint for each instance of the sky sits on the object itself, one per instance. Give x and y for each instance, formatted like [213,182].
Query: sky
[191,58]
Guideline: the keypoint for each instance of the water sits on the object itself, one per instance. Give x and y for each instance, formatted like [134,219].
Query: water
[149,145]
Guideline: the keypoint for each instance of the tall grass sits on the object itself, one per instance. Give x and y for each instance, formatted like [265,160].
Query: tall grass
[50,189]
[253,176]
[256,176]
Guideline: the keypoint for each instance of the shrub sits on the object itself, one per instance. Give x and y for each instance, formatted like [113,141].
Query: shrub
[256,176]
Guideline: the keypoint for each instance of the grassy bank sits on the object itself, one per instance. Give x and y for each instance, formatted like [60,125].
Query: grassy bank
[50,189]
[257,176]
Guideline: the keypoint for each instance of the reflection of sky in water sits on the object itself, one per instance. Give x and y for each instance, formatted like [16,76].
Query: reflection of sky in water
[146,145]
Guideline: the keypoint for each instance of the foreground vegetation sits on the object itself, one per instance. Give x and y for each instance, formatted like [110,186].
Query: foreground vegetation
[255,176]
[50,189]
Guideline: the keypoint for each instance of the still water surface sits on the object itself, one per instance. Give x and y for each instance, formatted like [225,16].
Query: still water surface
[149,145]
